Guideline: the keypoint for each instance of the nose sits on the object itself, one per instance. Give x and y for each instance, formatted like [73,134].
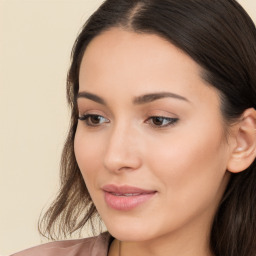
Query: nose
[122,150]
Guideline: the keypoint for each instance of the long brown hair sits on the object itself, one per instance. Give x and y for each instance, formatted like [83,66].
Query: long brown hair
[220,36]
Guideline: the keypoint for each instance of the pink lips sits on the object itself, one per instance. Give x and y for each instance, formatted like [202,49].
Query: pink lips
[125,198]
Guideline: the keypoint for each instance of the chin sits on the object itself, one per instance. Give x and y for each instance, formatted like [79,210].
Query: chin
[131,232]
[130,235]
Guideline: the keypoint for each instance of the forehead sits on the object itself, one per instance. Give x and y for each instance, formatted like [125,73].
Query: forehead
[133,63]
[117,46]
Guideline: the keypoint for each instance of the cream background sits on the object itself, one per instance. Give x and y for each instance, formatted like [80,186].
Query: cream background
[36,37]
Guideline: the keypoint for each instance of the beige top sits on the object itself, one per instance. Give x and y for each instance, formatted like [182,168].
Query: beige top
[93,246]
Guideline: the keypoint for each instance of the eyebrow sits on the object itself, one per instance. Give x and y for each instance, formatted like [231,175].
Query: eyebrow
[91,96]
[147,98]
[156,96]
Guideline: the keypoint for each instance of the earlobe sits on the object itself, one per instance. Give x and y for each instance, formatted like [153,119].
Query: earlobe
[243,152]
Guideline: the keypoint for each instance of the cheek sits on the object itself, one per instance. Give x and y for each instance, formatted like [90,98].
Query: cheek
[191,166]
[87,153]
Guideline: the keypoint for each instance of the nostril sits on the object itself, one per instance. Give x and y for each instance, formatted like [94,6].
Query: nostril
[122,161]
[122,152]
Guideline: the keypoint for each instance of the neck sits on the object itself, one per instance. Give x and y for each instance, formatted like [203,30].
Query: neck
[188,244]
[160,248]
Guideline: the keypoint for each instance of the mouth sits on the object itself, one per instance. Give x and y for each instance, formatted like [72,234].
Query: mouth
[131,194]
[125,198]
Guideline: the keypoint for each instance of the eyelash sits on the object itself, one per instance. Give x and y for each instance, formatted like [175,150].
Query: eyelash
[88,119]
[168,120]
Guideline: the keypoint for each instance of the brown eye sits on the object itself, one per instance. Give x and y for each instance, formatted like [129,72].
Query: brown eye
[160,121]
[93,120]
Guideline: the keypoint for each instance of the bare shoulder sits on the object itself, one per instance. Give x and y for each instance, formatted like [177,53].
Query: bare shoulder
[87,246]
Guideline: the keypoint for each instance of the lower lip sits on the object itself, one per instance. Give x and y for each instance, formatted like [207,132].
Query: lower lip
[126,203]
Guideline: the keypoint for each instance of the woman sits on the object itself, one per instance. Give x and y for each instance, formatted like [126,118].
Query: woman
[162,142]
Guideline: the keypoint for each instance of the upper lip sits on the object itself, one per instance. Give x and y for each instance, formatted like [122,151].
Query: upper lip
[124,189]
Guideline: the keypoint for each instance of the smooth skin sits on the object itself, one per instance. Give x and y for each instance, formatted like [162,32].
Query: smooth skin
[175,143]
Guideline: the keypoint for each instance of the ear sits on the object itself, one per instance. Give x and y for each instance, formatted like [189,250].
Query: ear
[243,146]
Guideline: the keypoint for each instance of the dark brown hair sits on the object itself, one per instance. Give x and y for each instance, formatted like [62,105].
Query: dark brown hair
[221,38]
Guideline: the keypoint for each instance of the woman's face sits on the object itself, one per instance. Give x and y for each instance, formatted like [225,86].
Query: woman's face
[150,143]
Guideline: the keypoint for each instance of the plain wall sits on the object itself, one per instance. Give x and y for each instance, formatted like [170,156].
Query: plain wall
[36,37]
